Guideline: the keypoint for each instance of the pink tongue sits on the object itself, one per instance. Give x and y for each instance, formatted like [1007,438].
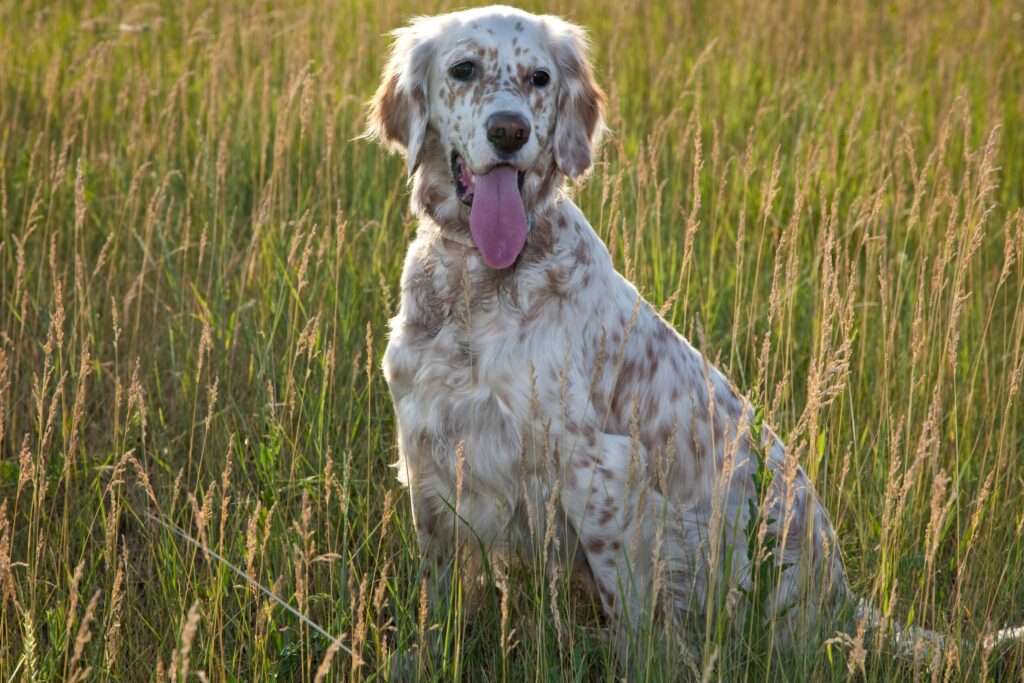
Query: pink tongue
[497,219]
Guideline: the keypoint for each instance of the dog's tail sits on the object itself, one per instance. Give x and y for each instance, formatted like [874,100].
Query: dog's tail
[915,642]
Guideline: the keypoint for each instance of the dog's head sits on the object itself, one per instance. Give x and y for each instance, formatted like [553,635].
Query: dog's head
[491,107]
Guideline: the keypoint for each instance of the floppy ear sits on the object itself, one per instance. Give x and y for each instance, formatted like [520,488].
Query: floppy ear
[398,113]
[579,122]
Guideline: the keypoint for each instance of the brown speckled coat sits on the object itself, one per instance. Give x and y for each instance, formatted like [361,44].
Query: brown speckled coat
[553,380]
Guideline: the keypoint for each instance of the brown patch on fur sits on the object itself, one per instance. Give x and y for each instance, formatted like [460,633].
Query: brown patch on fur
[581,252]
[397,114]
[427,315]
[731,405]
[651,355]
[523,72]
[555,292]
[540,242]
[580,106]
[696,446]
[624,391]
[600,404]
[677,368]
[590,103]
[557,279]
[430,194]
[433,189]
[488,283]
[388,116]
[548,182]
[664,436]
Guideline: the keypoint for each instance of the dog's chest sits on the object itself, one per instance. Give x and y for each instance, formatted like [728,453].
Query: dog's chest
[460,331]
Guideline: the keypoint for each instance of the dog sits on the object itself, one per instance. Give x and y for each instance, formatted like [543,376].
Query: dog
[537,395]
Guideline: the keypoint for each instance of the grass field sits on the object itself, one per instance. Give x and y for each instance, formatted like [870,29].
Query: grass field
[197,262]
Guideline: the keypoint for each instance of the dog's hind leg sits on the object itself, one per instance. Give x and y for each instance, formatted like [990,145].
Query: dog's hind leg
[610,505]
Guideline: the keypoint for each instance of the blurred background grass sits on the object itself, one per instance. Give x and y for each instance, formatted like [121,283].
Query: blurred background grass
[197,263]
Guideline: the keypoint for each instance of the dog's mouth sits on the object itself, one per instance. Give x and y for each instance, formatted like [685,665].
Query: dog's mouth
[465,181]
[497,217]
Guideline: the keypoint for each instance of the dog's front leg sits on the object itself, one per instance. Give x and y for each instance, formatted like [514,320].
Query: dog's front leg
[450,547]
[458,462]
[452,554]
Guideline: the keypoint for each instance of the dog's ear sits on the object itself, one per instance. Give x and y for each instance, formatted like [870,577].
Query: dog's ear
[397,114]
[579,122]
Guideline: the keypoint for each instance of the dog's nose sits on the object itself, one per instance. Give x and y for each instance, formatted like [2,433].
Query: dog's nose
[508,131]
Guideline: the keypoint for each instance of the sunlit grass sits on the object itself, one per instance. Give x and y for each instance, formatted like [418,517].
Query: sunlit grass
[197,262]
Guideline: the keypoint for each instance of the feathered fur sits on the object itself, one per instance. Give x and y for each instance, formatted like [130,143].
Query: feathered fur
[553,380]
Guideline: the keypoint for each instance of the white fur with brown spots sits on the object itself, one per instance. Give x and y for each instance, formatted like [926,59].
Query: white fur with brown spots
[552,378]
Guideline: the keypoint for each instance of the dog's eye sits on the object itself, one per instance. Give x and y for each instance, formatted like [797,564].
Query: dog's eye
[540,78]
[463,71]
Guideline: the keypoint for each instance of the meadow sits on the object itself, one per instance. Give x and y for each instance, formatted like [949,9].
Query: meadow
[198,260]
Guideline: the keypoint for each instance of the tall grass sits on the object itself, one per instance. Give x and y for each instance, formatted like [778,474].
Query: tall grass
[197,262]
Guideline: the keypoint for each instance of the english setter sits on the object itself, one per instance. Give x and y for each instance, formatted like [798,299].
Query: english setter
[527,374]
